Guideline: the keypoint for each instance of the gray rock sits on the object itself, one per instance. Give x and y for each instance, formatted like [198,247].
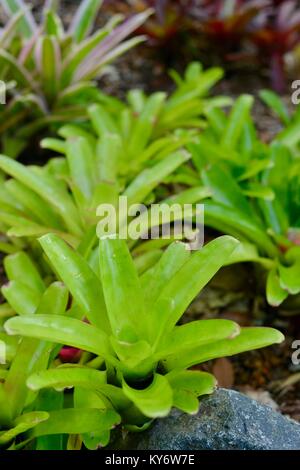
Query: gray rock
[226,420]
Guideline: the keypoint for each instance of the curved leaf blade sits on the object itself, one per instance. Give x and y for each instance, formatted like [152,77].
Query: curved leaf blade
[80,279]
[155,401]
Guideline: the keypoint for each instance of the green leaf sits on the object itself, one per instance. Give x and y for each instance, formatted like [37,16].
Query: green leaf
[27,25]
[276,104]
[277,178]
[82,282]
[289,276]
[255,167]
[225,190]
[171,261]
[21,226]
[122,290]
[117,397]
[73,61]
[154,401]
[227,219]
[67,377]
[84,18]
[195,334]
[20,267]
[275,293]
[62,330]
[257,191]
[217,120]
[7,248]
[248,252]
[205,152]
[290,135]
[148,179]
[145,123]
[16,69]
[195,381]
[31,355]
[249,338]
[8,33]
[86,398]
[5,411]
[183,288]
[147,260]
[21,298]
[53,24]
[76,421]
[185,401]
[47,188]
[50,400]
[92,66]
[189,90]
[56,145]
[23,424]
[101,120]
[82,166]
[33,204]
[137,99]
[189,196]
[131,354]
[236,121]
[187,386]
[11,345]
[108,153]
[48,64]
[54,300]
[73,131]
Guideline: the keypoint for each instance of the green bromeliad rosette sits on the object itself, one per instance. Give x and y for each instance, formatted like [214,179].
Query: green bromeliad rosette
[254,190]
[134,153]
[137,357]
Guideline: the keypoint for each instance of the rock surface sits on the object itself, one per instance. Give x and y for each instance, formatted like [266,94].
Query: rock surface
[226,420]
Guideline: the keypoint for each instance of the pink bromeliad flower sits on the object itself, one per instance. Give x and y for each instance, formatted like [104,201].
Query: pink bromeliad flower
[68,354]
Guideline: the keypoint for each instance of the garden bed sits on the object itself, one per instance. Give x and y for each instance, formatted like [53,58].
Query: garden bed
[233,293]
[257,373]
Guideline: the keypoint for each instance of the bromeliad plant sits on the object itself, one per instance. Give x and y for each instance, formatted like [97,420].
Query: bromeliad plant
[23,292]
[271,26]
[64,196]
[289,136]
[150,126]
[166,22]
[255,193]
[223,21]
[129,153]
[27,417]
[139,356]
[276,32]
[52,68]
[227,23]
[230,30]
